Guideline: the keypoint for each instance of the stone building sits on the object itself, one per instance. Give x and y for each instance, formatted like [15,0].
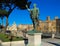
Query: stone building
[48,26]
[25,26]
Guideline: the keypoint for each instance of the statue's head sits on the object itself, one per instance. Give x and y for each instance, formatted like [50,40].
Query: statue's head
[34,5]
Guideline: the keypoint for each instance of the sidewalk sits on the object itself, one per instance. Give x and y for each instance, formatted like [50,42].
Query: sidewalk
[14,43]
[21,43]
[18,44]
[45,42]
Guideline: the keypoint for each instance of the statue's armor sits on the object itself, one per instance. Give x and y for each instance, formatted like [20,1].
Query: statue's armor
[34,17]
[34,13]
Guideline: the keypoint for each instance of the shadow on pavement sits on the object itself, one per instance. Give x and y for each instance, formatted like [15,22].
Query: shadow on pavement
[54,44]
[46,35]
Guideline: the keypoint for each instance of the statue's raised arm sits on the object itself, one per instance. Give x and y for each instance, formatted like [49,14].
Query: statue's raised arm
[27,8]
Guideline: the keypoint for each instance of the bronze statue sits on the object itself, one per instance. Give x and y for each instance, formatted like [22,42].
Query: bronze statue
[34,15]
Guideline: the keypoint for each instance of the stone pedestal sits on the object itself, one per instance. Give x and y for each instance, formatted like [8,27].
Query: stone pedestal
[53,35]
[34,39]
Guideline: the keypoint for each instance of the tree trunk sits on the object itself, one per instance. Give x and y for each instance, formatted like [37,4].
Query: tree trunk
[6,23]
[2,22]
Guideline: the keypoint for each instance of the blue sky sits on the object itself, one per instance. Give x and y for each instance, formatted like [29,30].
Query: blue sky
[46,8]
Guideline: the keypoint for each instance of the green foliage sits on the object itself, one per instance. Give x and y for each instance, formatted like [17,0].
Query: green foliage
[17,38]
[5,38]
[3,12]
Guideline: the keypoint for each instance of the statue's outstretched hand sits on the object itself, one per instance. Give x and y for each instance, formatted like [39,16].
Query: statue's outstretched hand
[26,6]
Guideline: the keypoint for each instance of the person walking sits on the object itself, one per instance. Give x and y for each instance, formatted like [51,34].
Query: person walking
[25,36]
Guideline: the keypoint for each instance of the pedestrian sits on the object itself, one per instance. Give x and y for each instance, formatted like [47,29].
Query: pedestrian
[25,36]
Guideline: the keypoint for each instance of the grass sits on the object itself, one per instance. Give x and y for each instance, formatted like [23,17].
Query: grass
[5,38]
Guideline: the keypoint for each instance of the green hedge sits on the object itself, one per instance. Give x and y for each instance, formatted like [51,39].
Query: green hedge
[5,38]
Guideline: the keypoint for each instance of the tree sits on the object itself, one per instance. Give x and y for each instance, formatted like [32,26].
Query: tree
[21,3]
[11,5]
[3,13]
[2,16]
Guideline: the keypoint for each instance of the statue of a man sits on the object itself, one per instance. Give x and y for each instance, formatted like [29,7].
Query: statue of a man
[34,15]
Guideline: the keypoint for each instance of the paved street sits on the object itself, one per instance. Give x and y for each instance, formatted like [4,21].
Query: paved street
[51,42]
